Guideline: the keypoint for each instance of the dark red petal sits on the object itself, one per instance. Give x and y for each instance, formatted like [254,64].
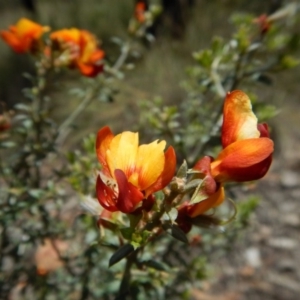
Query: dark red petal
[263,129]
[129,195]
[105,195]
[183,220]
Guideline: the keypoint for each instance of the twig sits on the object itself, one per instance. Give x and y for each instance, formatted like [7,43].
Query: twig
[65,129]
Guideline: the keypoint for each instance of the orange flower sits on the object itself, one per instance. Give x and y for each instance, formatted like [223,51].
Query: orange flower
[139,11]
[247,148]
[78,48]
[24,36]
[130,173]
[246,155]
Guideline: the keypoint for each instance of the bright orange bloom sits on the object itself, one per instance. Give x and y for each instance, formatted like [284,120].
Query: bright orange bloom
[131,173]
[246,155]
[247,148]
[139,11]
[24,36]
[78,48]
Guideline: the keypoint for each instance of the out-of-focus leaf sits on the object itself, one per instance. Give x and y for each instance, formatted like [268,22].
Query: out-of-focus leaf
[127,232]
[155,265]
[8,144]
[22,106]
[121,253]
[264,79]
[289,62]
[204,57]
[36,193]
[205,221]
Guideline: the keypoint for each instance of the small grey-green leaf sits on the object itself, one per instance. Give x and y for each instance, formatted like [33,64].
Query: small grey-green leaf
[182,172]
[7,144]
[155,265]
[21,106]
[36,193]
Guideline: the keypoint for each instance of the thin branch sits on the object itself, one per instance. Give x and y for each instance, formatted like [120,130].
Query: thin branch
[65,129]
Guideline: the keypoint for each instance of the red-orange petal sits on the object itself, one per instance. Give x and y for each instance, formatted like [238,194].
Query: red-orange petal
[105,195]
[104,137]
[243,160]
[13,41]
[129,196]
[167,173]
[239,122]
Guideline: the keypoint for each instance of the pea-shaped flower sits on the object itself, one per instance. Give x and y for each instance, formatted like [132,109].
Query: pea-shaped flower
[247,148]
[24,36]
[78,48]
[246,155]
[130,173]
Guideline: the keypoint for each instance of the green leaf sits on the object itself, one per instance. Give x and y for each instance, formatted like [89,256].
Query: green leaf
[155,265]
[204,58]
[176,232]
[36,193]
[127,232]
[7,144]
[135,244]
[267,80]
[170,215]
[21,106]
[289,62]
[134,220]
[182,172]
[121,253]
[193,184]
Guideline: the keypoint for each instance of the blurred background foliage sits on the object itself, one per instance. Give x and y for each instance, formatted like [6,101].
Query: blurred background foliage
[164,80]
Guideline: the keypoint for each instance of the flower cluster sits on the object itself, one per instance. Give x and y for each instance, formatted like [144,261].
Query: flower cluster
[131,174]
[72,48]
[246,156]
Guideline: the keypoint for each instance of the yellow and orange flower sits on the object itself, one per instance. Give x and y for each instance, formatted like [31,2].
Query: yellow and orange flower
[131,173]
[78,48]
[24,36]
[247,148]
[246,155]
